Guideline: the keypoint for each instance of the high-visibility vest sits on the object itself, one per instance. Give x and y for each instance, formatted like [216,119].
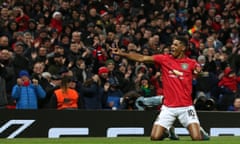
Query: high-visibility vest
[67,100]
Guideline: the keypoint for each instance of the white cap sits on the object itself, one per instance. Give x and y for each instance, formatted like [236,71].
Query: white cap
[56,13]
[46,75]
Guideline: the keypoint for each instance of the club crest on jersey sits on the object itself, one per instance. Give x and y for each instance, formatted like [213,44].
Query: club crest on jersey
[184,66]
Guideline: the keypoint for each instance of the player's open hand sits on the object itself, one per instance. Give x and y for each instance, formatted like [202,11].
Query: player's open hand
[116,51]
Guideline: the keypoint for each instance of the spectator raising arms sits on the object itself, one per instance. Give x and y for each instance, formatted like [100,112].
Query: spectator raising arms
[27,92]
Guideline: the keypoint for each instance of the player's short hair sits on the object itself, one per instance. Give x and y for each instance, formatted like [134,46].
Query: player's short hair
[183,40]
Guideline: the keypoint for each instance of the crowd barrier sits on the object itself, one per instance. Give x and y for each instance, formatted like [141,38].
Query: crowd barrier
[86,123]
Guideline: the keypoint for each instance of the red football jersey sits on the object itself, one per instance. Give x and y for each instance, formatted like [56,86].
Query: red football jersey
[177,75]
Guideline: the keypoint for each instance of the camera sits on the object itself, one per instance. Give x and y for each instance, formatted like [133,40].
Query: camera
[204,103]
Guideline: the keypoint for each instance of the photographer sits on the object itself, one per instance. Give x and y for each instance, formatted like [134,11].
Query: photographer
[26,92]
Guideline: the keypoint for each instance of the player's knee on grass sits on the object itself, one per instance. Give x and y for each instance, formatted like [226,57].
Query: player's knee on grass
[159,133]
[156,137]
[194,130]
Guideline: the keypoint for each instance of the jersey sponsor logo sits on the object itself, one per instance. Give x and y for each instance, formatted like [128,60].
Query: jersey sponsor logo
[177,73]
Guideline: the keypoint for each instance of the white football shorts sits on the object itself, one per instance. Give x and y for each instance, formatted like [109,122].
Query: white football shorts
[185,115]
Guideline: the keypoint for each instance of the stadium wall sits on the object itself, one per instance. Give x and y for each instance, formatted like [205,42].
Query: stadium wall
[83,123]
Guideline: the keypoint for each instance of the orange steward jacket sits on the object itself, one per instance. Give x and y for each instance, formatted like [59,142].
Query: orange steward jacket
[67,100]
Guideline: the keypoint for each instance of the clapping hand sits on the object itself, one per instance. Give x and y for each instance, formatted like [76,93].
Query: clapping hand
[35,82]
[19,82]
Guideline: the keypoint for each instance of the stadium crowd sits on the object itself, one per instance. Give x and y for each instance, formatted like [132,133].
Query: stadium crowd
[47,46]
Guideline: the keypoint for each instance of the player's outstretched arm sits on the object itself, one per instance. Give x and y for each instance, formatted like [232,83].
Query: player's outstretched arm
[133,56]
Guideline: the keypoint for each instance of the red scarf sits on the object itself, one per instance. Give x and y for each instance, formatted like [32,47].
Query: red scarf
[26,83]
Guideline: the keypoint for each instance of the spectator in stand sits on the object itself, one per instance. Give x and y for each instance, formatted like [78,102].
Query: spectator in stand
[41,55]
[28,40]
[22,19]
[4,42]
[206,82]
[80,70]
[65,11]
[19,61]
[38,69]
[216,24]
[112,74]
[195,39]
[46,42]
[92,93]
[112,95]
[54,35]
[75,15]
[234,60]
[156,80]
[103,75]
[77,39]
[36,10]
[234,35]
[56,63]
[42,33]
[124,73]
[54,84]
[196,27]
[166,35]
[125,36]
[57,49]
[88,34]
[3,93]
[56,21]
[74,53]
[4,18]
[236,104]
[229,80]
[145,87]
[125,9]
[27,92]
[229,86]
[68,29]
[32,26]
[19,37]
[212,4]
[210,64]
[8,73]
[12,29]
[92,16]
[99,53]
[105,19]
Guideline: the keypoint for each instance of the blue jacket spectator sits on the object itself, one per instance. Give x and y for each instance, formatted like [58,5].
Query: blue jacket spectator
[26,92]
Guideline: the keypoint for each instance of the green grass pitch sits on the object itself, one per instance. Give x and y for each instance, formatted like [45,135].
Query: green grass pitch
[119,140]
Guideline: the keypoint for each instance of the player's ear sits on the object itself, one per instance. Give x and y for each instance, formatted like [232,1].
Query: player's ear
[183,48]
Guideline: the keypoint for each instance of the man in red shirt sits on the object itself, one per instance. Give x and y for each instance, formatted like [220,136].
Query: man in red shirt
[177,73]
